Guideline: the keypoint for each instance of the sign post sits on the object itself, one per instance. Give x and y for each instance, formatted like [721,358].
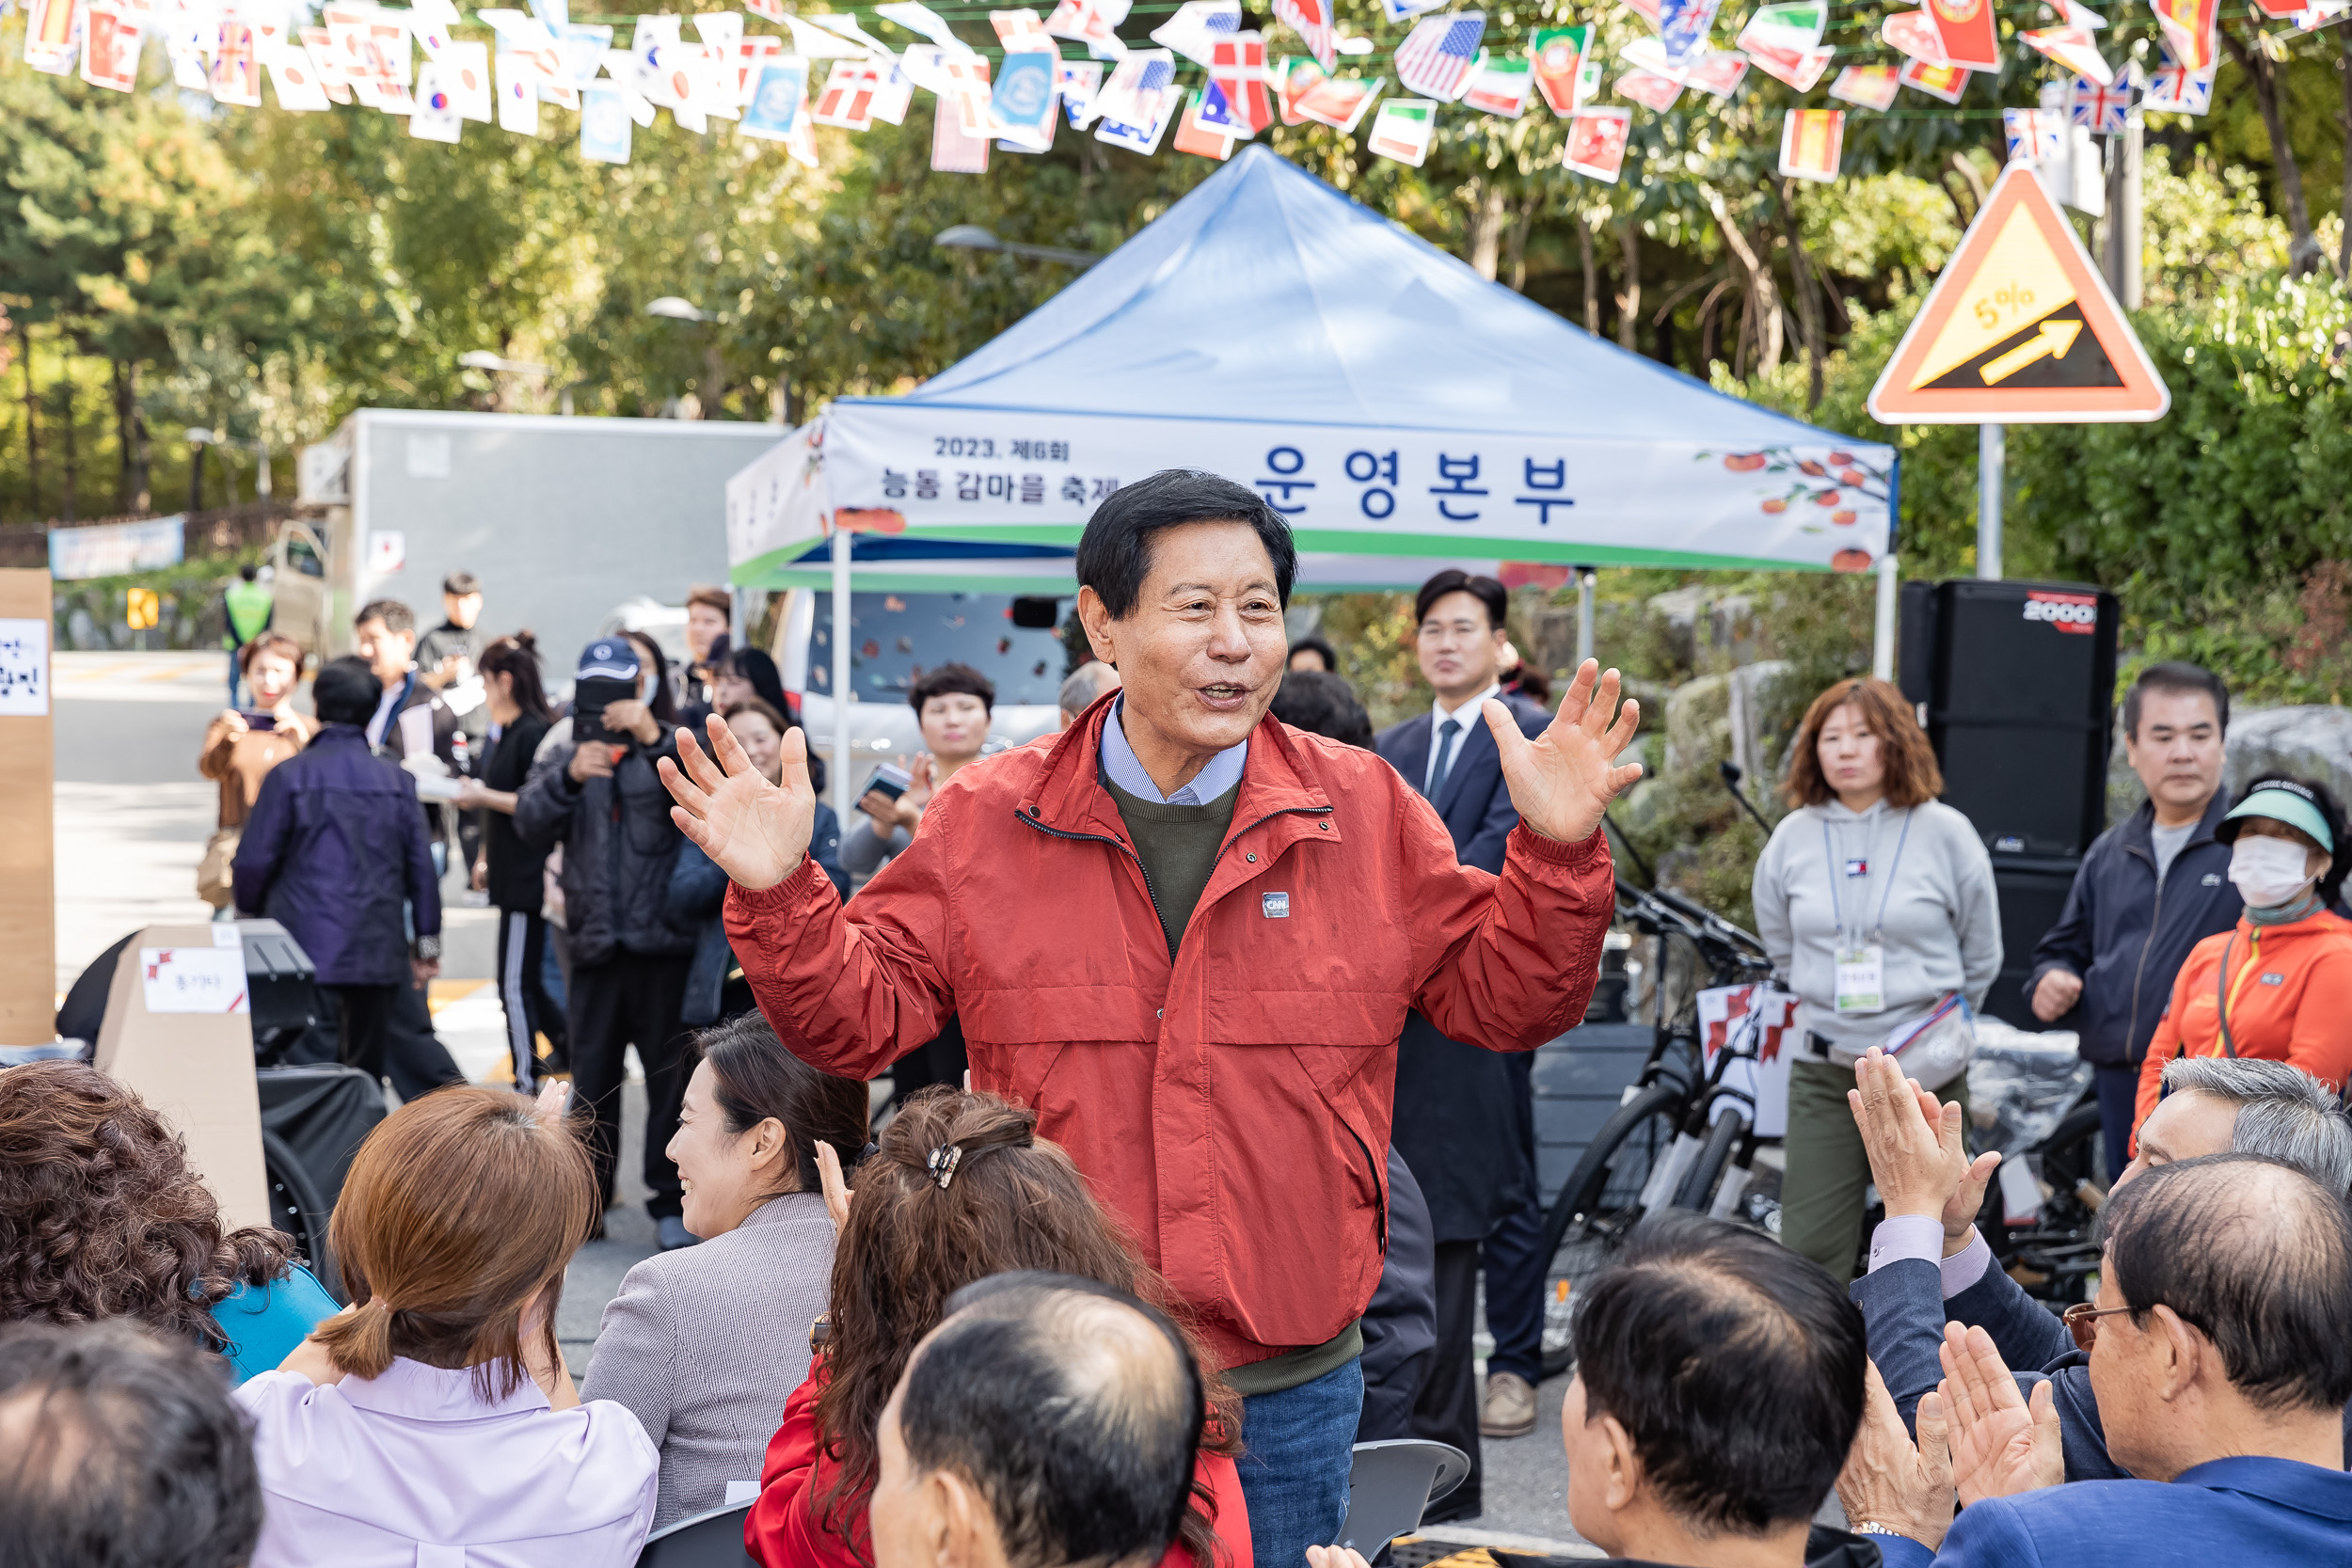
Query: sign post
[1992,453]
[2020,328]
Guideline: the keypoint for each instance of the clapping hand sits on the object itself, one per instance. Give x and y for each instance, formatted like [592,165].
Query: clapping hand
[755,831]
[2002,1444]
[1917,1146]
[1564,779]
[1889,1482]
[837,1193]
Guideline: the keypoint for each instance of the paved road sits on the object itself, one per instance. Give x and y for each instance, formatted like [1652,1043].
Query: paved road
[132,822]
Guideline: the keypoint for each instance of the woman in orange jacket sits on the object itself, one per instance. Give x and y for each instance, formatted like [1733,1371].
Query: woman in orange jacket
[2280,985]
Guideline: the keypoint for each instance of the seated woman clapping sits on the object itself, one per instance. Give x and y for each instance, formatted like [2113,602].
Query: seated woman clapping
[958,1189]
[433,1422]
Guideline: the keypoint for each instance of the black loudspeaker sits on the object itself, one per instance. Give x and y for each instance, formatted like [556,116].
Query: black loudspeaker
[2032,893]
[2017,685]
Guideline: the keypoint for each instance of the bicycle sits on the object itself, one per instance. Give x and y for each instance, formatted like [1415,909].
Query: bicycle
[1668,1145]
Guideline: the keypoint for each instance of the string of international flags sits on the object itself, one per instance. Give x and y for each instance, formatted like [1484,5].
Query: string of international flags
[359,52]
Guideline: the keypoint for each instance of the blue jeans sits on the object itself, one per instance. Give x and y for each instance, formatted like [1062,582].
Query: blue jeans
[1300,1445]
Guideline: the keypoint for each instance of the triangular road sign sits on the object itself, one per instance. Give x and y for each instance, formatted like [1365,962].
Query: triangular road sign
[2019,329]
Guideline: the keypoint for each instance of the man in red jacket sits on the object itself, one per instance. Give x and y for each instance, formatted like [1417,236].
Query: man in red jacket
[1188,935]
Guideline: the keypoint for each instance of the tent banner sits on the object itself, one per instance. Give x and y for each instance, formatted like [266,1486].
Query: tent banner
[942,471]
[776,506]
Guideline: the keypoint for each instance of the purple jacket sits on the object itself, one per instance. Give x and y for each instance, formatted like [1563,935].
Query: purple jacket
[334,847]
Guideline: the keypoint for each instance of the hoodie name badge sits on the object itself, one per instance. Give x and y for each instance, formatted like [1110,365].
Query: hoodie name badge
[1277,905]
[1857,868]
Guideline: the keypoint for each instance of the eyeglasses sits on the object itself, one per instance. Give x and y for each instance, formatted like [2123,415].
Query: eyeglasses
[2082,1321]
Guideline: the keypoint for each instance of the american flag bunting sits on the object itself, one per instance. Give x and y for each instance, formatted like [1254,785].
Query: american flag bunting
[1435,59]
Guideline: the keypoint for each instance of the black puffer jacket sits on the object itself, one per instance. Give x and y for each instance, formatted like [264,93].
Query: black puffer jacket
[619,850]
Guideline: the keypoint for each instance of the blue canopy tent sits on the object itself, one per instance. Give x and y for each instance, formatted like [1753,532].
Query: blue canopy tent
[1378,393]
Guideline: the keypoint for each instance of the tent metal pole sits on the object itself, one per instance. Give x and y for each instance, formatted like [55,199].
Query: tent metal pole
[1584,575]
[841,634]
[1882,632]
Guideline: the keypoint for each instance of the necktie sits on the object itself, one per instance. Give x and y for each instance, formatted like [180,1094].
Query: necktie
[1447,733]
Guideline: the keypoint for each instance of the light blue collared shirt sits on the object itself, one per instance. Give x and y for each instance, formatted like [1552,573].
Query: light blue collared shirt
[1119,760]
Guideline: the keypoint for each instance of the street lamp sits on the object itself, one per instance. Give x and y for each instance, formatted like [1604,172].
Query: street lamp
[483,360]
[971,236]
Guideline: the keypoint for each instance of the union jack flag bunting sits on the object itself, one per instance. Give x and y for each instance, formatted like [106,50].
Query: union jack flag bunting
[2035,135]
[2101,108]
[2175,89]
[1683,26]
[1311,21]
[1434,61]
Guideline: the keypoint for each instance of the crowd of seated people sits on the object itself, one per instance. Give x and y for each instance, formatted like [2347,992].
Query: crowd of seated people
[939,1351]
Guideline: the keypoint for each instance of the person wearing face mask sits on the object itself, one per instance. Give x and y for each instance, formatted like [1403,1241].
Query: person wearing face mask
[2279,984]
[597,793]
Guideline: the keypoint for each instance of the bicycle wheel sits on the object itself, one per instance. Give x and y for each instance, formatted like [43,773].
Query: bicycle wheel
[1715,1158]
[296,1209]
[1597,1205]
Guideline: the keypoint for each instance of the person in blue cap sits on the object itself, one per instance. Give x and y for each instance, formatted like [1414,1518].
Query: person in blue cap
[2278,985]
[597,793]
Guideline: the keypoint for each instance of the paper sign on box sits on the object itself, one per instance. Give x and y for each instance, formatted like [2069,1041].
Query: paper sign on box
[194,979]
[23,668]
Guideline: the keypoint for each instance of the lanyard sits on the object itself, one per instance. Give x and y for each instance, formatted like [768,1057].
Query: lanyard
[1830,852]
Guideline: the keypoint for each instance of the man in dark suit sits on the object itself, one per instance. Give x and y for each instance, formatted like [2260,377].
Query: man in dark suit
[1465,1118]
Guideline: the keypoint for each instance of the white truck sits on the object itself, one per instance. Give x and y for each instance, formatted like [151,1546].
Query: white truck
[578,527]
[561,519]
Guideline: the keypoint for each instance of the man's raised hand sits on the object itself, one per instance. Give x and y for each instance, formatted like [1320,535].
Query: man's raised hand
[1564,779]
[755,831]
[1917,1146]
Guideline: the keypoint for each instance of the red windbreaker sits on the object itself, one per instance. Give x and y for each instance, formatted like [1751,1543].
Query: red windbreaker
[786,1529]
[1231,1108]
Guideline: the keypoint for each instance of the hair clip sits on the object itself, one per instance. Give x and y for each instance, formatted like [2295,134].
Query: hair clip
[943,1163]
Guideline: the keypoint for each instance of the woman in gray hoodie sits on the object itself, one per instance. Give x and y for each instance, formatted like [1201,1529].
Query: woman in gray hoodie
[1876,902]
